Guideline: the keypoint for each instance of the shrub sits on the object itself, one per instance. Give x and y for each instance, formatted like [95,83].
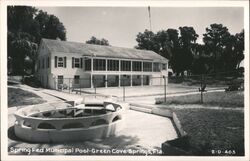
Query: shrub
[32,81]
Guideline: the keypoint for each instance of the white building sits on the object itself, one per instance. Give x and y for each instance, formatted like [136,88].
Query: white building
[85,65]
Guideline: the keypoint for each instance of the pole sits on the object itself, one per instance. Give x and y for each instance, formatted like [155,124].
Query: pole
[165,89]
[201,88]
[123,89]
[80,86]
[95,87]
[69,85]
[149,15]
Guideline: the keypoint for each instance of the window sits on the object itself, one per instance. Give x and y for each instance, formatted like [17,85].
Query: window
[99,64]
[125,65]
[60,62]
[48,62]
[113,65]
[76,62]
[113,80]
[136,66]
[164,66]
[76,79]
[156,67]
[87,64]
[136,80]
[125,80]
[147,66]
[99,80]
[60,79]
[146,80]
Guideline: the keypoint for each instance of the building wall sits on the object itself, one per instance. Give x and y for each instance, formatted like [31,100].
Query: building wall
[43,71]
[48,75]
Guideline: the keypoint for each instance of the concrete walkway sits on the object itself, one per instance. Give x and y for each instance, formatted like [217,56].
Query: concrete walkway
[139,91]
[141,131]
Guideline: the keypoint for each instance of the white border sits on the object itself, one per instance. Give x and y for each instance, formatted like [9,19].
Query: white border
[3,98]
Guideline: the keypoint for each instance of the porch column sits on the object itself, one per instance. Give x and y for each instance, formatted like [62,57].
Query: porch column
[142,80]
[91,81]
[91,72]
[131,80]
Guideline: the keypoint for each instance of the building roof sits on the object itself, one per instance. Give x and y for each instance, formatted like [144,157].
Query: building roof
[100,50]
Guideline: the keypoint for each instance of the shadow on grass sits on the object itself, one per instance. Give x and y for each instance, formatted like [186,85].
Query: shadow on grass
[11,134]
[20,97]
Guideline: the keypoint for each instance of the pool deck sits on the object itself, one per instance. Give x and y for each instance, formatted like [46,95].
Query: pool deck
[141,131]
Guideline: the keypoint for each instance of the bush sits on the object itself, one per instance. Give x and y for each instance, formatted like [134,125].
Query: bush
[32,81]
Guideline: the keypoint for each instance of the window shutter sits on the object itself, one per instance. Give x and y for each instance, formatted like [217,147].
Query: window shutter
[55,62]
[73,62]
[65,62]
[81,63]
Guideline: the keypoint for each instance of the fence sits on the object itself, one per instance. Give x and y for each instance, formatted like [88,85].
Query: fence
[227,81]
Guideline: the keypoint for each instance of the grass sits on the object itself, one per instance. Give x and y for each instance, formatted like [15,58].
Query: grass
[222,99]
[19,97]
[211,129]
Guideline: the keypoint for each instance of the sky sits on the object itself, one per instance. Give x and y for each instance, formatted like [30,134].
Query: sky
[120,25]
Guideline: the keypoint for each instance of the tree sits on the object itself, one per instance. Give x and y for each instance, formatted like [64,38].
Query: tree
[215,39]
[187,42]
[94,40]
[164,44]
[239,47]
[175,49]
[168,44]
[26,27]
[147,41]
[158,42]
[201,60]
[21,49]
[227,51]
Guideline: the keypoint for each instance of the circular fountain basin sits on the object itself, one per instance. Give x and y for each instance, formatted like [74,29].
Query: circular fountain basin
[64,122]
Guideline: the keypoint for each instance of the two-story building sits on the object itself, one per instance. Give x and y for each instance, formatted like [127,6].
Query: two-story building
[86,65]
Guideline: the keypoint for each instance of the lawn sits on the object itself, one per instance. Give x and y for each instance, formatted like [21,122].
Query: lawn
[209,129]
[222,99]
[19,97]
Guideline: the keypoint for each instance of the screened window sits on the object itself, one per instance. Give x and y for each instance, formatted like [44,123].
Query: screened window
[87,64]
[137,66]
[125,65]
[60,62]
[125,80]
[113,65]
[156,67]
[60,79]
[147,66]
[77,79]
[98,80]
[99,64]
[136,80]
[146,80]
[113,80]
